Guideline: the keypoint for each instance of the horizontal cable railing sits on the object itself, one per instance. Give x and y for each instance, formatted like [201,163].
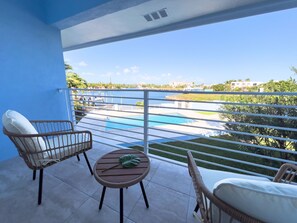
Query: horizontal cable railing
[228,150]
[245,132]
[233,142]
[227,103]
[233,123]
[232,113]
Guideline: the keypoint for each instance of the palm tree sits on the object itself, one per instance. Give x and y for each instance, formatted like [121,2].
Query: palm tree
[67,66]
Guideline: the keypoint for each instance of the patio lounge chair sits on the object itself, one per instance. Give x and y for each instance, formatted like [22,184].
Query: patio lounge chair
[230,197]
[44,143]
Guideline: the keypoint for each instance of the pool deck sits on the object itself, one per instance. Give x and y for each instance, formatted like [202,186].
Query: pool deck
[95,121]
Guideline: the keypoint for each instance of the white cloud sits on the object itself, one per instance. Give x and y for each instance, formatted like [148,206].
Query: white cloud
[131,70]
[166,75]
[126,70]
[82,64]
[134,69]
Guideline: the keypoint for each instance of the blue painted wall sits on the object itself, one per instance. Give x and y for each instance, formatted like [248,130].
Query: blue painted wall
[57,10]
[31,65]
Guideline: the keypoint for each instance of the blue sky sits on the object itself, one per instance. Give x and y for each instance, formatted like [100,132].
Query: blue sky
[261,48]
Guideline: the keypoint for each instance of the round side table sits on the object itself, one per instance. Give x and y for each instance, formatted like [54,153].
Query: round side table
[110,173]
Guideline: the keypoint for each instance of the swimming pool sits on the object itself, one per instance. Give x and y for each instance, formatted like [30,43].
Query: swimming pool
[123,123]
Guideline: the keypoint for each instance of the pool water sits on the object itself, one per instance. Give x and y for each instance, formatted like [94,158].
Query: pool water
[153,121]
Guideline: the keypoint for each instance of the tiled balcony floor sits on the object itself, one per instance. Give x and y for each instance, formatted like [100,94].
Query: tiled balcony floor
[71,194]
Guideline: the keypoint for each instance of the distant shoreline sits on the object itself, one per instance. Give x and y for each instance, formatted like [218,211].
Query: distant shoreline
[195,97]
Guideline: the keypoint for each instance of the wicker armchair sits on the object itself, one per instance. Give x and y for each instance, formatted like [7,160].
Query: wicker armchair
[207,201]
[54,142]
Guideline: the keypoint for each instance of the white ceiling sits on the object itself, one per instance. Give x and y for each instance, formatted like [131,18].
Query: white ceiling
[130,22]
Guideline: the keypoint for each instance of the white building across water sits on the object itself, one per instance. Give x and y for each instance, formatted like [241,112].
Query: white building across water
[244,84]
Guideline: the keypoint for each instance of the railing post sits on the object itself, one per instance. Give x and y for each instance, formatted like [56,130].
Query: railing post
[71,109]
[145,120]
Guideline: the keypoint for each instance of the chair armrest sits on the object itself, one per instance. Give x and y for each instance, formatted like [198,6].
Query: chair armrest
[40,150]
[52,141]
[47,126]
[207,201]
[286,173]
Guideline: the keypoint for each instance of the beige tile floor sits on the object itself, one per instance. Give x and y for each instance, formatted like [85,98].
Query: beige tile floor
[71,194]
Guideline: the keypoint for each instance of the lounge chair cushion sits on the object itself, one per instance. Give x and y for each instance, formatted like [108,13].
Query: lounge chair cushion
[263,200]
[14,122]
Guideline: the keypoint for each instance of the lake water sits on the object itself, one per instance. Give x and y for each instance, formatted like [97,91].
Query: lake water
[120,97]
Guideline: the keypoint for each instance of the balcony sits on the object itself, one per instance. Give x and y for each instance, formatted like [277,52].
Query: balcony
[34,35]
[164,127]
[71,194]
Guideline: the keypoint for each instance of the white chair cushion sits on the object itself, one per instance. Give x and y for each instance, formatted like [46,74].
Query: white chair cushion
[14,122]
[211,177]
[263,200]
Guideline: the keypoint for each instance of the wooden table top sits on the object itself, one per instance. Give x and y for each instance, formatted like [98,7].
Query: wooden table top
[119,176]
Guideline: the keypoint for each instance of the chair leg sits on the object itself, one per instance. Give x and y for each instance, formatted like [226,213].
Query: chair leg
[88,163]
[121,206]
[144,195]
[196,208]
[102,197]
[78,159]
[34,174]
[40,186]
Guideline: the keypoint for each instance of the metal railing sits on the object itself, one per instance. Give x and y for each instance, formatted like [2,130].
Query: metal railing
[246,132]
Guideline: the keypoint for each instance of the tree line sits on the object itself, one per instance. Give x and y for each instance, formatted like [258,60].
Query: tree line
[275,126]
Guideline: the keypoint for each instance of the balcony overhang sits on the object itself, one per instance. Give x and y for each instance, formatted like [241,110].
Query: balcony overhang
[104,21]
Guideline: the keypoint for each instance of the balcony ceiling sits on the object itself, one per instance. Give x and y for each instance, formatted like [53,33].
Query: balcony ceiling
[116,20]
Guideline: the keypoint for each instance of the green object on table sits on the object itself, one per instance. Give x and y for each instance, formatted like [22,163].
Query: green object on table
[129,160]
